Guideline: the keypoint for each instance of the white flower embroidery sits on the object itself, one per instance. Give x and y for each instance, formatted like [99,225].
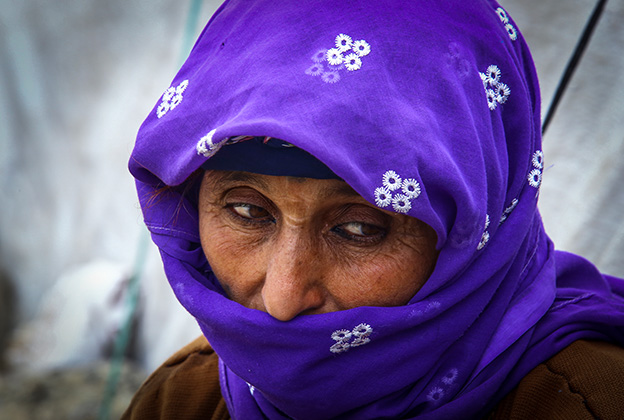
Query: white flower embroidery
[435,394]
[383,197]
[168,95]
[508,210]
[319,56]
[182,87]
[344,42]
[171,98]
[353,62]
[432,306]
[502,14]
[450,377]
[535,178]
[315,69]
[206,147]
[361,48]
[346,339]
[538,159]
[341,335]
[330,76]
[513,34]
[493,74]
[502,93]
[391,180]
[411,188]
[504,18]
[491,98]
[484,240]
[485,237]
[484,79]
[496,92]
[361,334]
[396,191]
[334,56]
[401,203]
[346,54]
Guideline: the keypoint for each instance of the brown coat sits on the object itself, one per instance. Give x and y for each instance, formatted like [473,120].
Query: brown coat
[584,381]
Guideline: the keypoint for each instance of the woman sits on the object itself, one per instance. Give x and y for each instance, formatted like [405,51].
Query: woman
[344,196]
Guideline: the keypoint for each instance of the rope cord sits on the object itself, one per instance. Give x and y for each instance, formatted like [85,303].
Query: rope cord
[123,338]
[574,61]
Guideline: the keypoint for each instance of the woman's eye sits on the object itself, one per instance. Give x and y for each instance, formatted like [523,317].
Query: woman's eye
[249,211]
[359,230]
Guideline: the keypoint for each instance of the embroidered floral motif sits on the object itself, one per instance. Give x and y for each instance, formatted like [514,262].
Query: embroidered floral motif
[508,210]
[358,336]
[171,98]
[334,56]
[411,188]
[535,176]
[450,377]
[401,203]
[346,54]
[344,42]
[391,180]
[538,159]
[435,394]
[319,56]
[496,92]
[511,31]
[406,191]
[502,15]
[352,62]
[492,75]
[361,48]
[485,237]
[431,306]
[206,147]
[383,197]
[315,69]
[330,77]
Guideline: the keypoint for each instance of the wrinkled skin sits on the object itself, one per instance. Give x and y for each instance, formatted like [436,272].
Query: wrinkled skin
[292,246]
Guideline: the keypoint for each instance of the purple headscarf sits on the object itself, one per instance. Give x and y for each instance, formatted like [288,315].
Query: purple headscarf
[429,108]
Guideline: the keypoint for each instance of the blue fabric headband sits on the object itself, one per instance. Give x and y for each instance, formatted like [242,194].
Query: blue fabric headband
[268,156]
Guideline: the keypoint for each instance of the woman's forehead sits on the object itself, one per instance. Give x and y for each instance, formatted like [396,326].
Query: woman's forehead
[322,188]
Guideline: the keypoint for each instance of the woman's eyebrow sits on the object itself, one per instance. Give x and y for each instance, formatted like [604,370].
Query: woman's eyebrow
[239,176]
[344,190]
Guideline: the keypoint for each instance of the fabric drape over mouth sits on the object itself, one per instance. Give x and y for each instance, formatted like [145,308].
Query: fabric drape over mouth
[427,108]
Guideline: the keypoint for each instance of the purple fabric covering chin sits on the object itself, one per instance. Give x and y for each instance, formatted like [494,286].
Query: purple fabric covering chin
[429,108]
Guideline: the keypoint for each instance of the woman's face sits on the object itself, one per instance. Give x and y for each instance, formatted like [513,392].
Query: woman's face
[292,246]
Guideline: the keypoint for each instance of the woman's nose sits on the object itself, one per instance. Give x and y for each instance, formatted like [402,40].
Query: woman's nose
[292,284]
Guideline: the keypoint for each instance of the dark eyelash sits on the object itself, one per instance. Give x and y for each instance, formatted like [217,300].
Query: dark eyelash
[249,221]
[361,239]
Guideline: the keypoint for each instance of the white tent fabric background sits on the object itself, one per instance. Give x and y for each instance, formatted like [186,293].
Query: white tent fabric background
[78,77]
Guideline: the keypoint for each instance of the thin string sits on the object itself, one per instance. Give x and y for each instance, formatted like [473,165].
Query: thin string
[574,61]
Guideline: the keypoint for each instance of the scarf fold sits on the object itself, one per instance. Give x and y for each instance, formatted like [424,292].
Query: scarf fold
[429,109]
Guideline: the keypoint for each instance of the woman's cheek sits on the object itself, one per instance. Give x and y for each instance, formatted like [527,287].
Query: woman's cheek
[233,254]
[382,280]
